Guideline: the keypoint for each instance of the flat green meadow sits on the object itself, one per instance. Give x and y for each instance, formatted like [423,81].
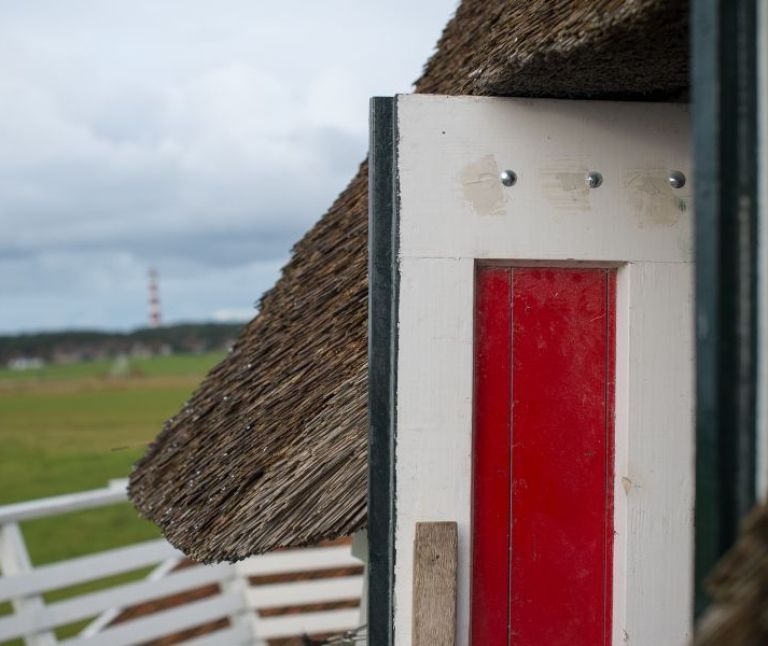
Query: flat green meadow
[71,428]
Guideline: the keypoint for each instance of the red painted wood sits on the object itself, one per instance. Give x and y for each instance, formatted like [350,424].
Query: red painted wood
[491,492]
[561,466]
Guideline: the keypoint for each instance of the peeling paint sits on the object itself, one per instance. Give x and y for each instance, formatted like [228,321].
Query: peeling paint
[652,201]
[565,186]
[481,186]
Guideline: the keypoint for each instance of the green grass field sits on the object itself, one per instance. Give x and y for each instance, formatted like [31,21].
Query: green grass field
[179,365]
[71,428]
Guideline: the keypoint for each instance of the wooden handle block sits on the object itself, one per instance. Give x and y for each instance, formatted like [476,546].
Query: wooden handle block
[434,584]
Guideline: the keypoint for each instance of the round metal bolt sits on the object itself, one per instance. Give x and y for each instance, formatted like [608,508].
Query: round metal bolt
[594,179]
[508,177]
[676,179]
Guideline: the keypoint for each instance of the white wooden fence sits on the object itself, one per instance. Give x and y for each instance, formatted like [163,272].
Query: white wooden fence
[237,600]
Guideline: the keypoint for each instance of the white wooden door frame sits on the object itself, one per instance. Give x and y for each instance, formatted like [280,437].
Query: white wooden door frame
[454,213]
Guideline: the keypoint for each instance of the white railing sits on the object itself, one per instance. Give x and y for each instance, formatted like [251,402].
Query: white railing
[237,600]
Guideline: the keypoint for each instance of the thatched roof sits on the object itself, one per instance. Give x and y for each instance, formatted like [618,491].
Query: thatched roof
[738,615]
[271,449]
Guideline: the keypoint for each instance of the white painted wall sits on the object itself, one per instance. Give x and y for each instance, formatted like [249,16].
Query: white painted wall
[454,212]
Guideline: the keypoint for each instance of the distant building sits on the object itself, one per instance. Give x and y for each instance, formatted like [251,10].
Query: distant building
[26,363]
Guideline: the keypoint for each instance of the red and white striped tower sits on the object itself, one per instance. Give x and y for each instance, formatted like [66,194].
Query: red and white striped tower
[154,299]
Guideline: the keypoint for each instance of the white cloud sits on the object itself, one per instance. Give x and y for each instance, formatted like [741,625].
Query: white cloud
[200,137]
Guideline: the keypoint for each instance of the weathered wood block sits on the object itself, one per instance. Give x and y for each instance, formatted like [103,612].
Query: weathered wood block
[435,561]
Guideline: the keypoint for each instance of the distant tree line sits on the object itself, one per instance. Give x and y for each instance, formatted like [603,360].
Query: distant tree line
[84,345]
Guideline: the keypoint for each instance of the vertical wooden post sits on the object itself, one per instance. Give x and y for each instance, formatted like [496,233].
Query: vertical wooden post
[14,559]
[724,85]
[434,584]
[247,618]
[382,369]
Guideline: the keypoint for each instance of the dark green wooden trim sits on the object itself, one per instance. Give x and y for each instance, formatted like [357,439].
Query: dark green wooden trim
[382,364]
[724,93]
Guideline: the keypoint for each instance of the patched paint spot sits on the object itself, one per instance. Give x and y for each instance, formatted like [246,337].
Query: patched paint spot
[482,188]
[564,187]
[652,201]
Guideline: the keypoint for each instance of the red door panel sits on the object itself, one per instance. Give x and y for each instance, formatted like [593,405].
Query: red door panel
[491,523]
[543,457]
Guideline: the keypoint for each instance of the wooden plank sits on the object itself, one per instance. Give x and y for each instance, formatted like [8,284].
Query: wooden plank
[66,503]
[14,560]
[653,489]
[123,596]
[299,560]
[435,561]
[382,367]
[108,616]
[238,586]
[542,217]
[491,455]
[329,621]
[762,245]
[138,631]
[562,456]
[297,593]
[726,128]
[86,568]
[434,436]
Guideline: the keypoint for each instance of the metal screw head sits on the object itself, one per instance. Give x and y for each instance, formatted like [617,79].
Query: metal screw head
[594,179]
[508,177]
[676,179]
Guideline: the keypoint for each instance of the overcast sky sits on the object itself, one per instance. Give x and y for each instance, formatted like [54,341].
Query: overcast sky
[199,137]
